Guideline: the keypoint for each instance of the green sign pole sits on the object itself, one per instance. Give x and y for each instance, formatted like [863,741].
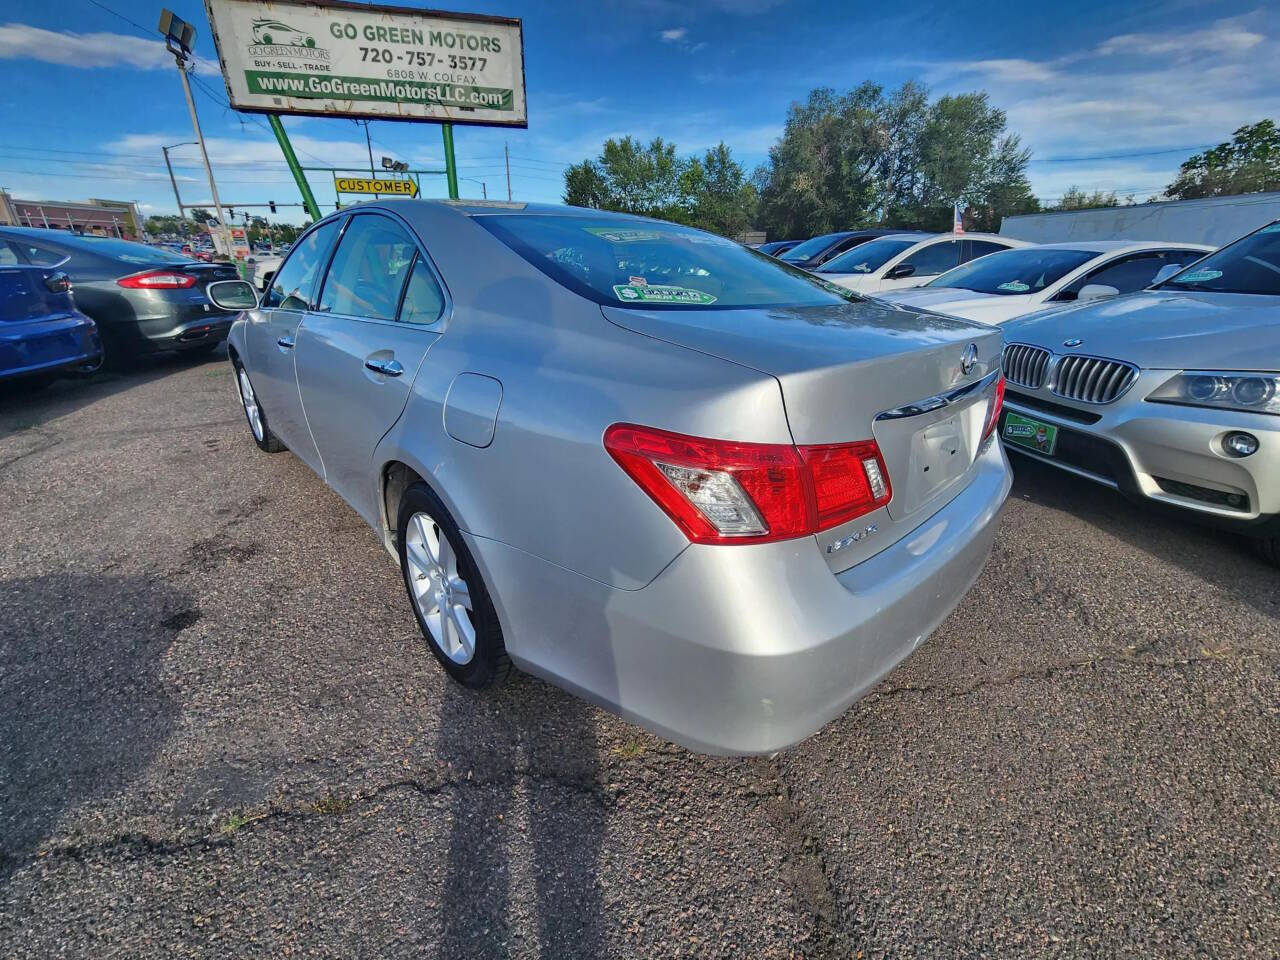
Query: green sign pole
[450,164]
[295,168]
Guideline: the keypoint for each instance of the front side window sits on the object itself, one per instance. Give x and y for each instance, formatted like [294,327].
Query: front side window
[934,259]
[980,248]
[1128,274]
[1012,272]
[1250,265]
[649,264]
[870,256]
[294,284]
[368,269]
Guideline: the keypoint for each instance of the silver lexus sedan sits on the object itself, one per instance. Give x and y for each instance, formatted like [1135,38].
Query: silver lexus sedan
[693,484]
[1170,395]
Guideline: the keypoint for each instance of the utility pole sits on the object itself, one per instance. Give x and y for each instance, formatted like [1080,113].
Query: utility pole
[178,37]
[450,163]
[172,179]
[506,155]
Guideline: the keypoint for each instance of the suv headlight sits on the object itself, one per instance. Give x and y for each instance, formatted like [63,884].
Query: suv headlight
[1250,392]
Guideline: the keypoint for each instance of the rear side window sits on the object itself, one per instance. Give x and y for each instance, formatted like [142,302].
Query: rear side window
[423,298]
[980,248]
[652,265]
[293,286]
[7,257]
[369,269]
[28,252]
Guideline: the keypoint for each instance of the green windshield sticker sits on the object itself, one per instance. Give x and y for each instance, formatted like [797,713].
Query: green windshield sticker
[1196,276]
[631,293]
[615,235]
[1014,286]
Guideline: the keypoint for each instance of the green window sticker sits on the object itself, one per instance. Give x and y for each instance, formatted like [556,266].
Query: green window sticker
[1014,286]
[1197,276]
[631,293]
[616,235]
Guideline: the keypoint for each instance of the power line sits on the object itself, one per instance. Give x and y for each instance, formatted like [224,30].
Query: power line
[1121,156]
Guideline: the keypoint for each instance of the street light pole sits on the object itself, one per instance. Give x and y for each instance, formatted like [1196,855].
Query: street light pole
[169,166]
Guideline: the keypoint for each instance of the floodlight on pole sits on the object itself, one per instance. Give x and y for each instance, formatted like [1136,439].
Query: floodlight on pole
[178,38]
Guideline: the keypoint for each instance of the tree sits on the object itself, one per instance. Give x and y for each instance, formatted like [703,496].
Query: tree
[202,216]
[710,192]
[865,157]
[1247,163]
[1076,199]
[163,225]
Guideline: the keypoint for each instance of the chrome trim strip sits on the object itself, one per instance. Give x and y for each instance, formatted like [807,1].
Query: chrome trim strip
[939,401]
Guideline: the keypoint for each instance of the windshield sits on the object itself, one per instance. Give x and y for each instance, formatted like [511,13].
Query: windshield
[868,257]
[127,252]
[654,265]
[1012,272]
[811,247]
[1250,265]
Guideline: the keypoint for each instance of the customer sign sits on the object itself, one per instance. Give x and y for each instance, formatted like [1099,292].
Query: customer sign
[340,59]
[392,188]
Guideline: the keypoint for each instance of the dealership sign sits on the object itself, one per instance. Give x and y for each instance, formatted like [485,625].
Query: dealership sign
[392,188]
[354,60]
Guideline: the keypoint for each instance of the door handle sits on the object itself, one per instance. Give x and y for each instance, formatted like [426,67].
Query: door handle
[286,342]
[388,368]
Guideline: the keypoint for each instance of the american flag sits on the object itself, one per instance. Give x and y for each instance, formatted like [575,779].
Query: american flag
[957,225]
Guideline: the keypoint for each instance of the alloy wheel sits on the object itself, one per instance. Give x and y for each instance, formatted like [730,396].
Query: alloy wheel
[251,409]
[439,592]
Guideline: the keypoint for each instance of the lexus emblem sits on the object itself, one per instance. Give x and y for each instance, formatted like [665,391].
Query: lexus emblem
[969,359]
[1073,342]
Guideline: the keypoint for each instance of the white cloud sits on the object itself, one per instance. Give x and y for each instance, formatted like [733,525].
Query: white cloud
[21,42]
[1223,37]
[1010,71]
[674,35]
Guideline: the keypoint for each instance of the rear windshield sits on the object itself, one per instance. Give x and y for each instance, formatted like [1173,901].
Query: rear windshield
[811,247]
[869,256]
[127,252]
[1250,265]
[1013,272]
[649,264]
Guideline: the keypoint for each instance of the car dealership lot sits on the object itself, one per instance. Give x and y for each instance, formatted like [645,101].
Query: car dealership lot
[224,736]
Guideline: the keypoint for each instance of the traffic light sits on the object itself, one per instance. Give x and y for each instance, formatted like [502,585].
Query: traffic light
[231,212]
[272,205]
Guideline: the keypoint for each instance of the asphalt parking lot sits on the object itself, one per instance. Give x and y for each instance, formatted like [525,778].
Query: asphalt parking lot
[223,737]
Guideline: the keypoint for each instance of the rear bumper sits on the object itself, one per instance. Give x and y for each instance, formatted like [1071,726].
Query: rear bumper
[745,649]
[1172,457]
[42,347]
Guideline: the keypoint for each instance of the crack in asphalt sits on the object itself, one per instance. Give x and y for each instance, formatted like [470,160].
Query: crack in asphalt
[134,845]
[1131,656]
[5,464]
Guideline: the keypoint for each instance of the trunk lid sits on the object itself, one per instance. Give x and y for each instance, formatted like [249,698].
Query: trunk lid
[858,371]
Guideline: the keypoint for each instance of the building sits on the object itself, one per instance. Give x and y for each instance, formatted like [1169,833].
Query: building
[106,218]
[1212,220]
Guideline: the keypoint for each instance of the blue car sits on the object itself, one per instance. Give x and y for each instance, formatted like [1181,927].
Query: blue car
[41,331]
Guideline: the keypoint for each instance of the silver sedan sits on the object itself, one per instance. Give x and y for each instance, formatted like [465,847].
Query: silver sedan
[697,486]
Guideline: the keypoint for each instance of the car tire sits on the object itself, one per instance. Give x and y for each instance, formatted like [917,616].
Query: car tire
[447,593]
[1269,549]
[259,428]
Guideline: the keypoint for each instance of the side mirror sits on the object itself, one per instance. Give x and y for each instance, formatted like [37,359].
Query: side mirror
[900,271]
[232,295]
[1167,271]
[1096,291]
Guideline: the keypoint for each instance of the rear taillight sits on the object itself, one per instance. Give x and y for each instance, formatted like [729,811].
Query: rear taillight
[723,491]
[997,403]
[157,280]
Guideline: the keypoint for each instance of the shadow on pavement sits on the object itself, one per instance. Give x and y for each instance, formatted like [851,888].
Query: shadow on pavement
[84,708]
[23,407]
[527,824]
[1224,559]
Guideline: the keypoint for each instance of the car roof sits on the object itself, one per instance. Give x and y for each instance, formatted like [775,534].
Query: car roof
[1112,246]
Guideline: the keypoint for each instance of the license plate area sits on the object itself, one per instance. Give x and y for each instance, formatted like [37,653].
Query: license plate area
[929,452]
[1030,433]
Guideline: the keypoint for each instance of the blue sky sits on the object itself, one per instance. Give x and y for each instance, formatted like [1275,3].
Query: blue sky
[1108,95]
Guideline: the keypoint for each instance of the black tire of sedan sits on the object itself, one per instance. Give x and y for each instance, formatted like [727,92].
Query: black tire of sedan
[1269,550]
[447,593]
[259,426]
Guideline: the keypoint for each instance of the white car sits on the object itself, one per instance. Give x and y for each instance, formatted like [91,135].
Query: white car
[261,268]
[908,259]
[1017,282]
